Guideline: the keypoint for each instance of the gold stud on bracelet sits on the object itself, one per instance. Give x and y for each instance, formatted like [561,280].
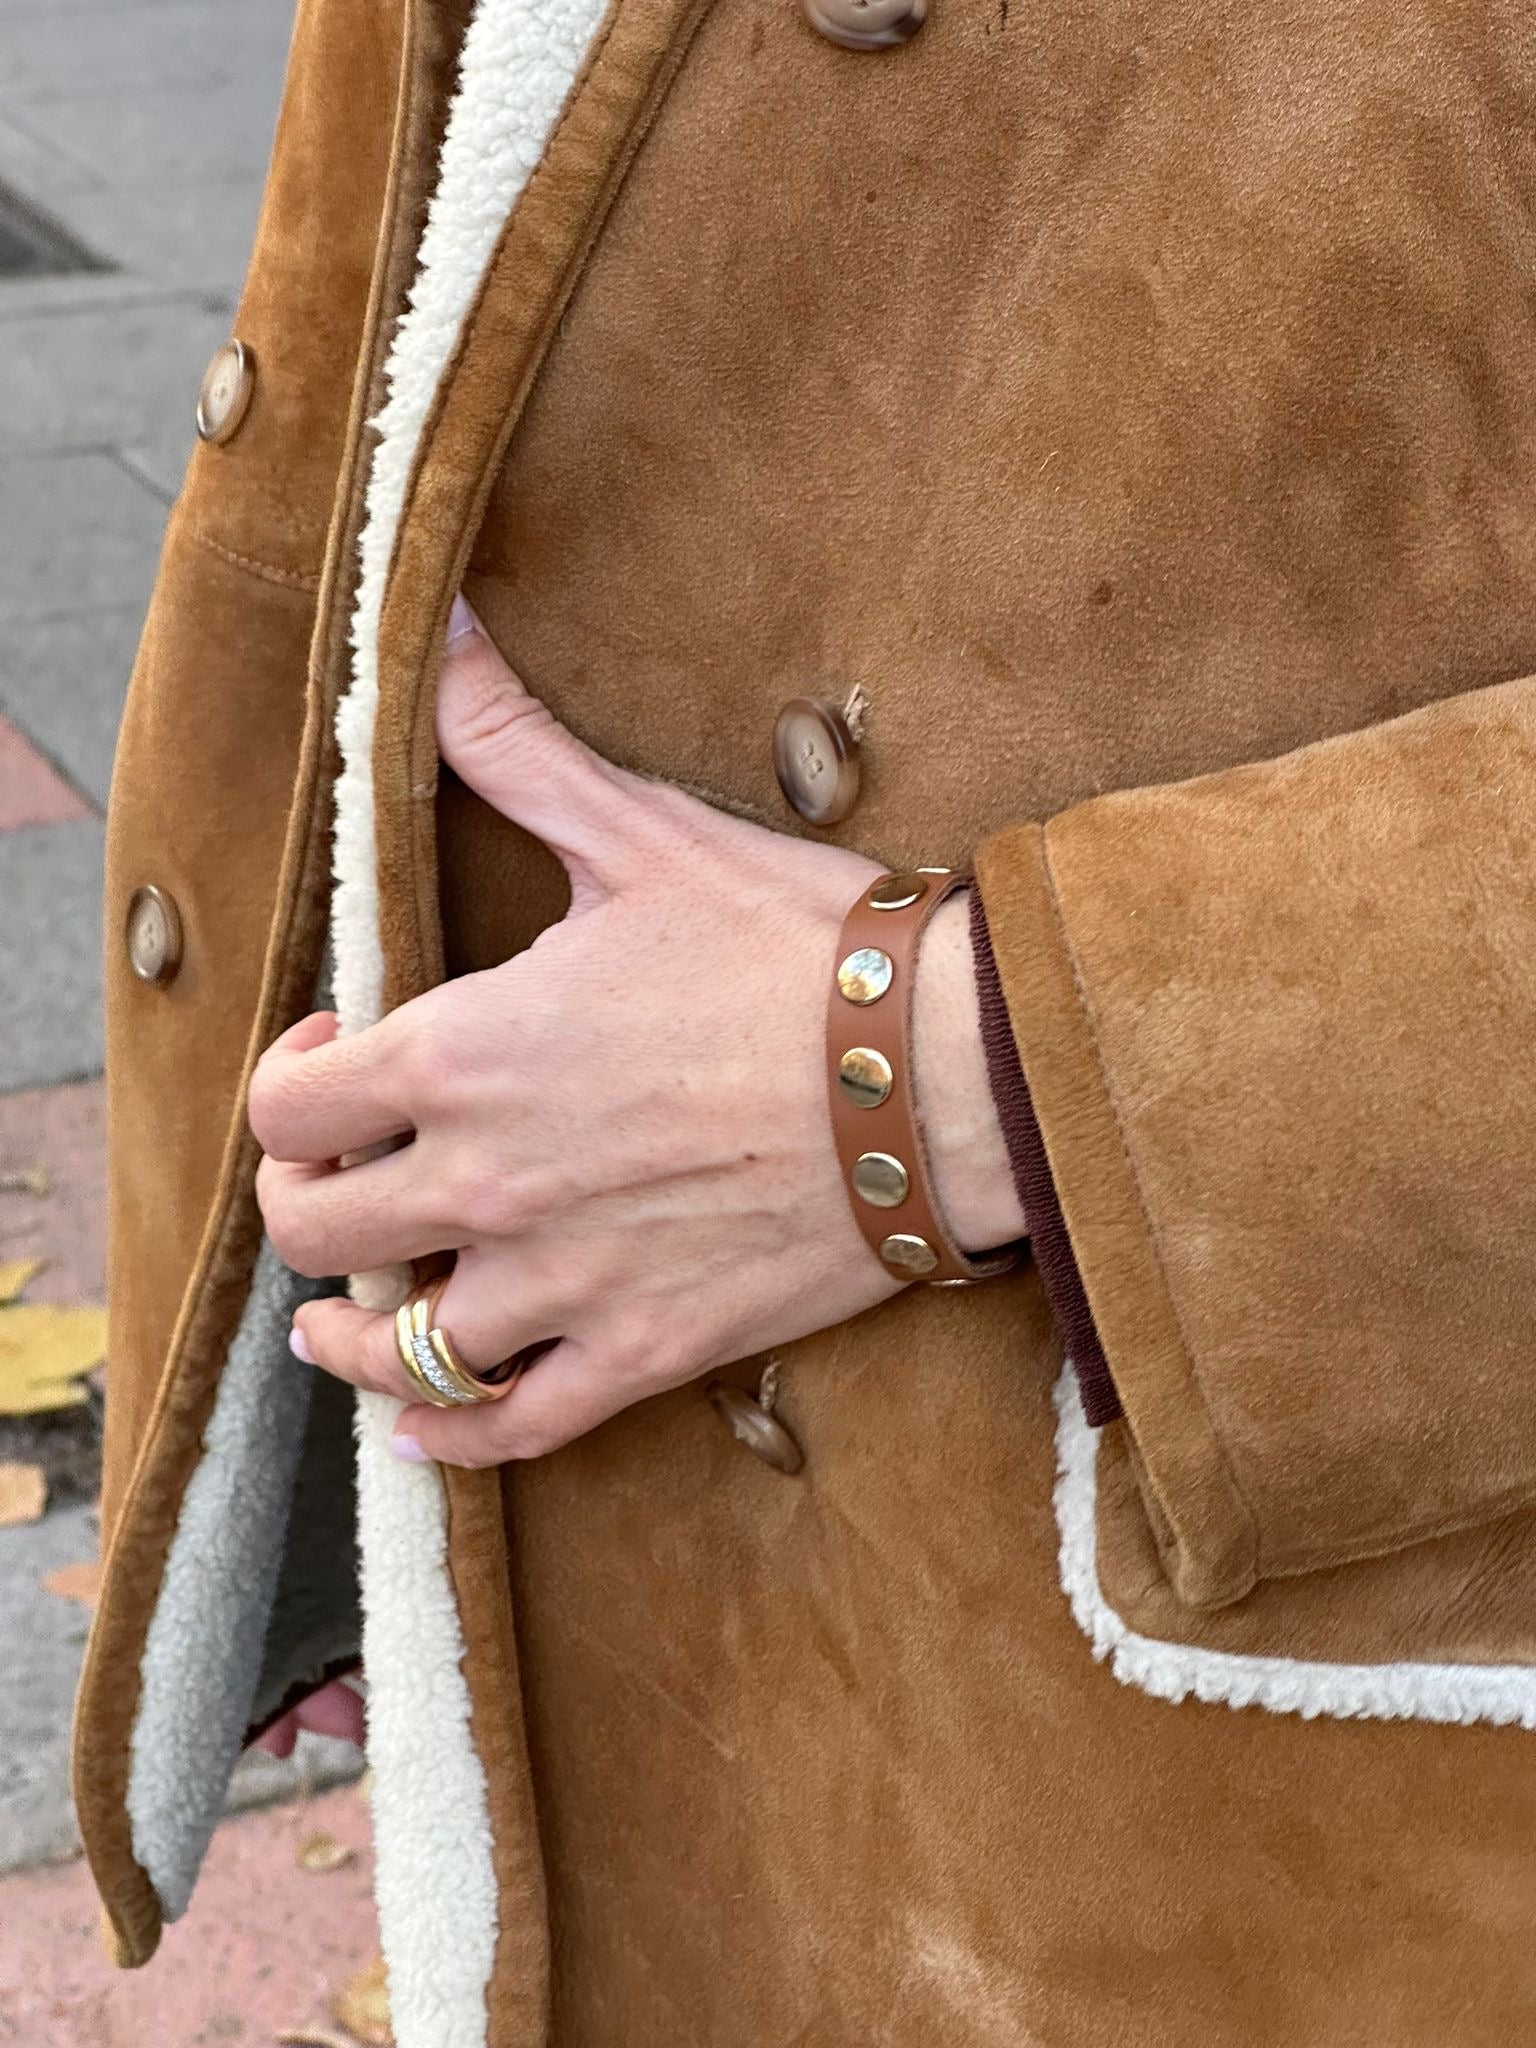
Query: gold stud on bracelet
[906,1252]
[881,1179]
[865,975]
[897,892]
[865,1076]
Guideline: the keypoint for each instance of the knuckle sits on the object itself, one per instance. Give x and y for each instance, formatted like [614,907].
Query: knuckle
[491,718]
[479,1456]
[486,1202]
[662,1370]
[377,1360]
[297,1249]
[525,1436]
[290,1229]
[282,1231]
[473,1450]
[636,1348]
[422,1058]
[534,1443]
[267,1101]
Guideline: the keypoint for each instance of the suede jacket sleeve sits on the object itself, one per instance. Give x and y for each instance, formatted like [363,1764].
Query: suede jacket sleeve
[1278,1026]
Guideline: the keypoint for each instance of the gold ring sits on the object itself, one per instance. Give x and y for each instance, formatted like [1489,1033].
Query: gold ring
[435,1368]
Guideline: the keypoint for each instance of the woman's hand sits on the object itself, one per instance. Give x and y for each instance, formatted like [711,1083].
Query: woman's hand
[623,1132]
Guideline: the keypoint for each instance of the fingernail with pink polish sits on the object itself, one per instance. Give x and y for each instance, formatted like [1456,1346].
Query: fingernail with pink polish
[461,621]
[299,1346]
[408,1451]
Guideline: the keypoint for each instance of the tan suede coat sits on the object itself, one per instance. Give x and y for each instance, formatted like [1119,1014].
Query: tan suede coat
[1138,402]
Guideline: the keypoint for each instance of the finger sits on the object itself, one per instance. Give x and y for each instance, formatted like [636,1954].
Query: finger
[353,1344]
[486,1324]
[318,1028]
[327,1219]
[569,1390]
[513,752]
[316,1096]
[279,1739]
[336,1710]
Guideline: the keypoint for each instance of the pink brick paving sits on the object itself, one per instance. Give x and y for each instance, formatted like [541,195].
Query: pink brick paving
[262,1949]
[61,1131]
[32,791]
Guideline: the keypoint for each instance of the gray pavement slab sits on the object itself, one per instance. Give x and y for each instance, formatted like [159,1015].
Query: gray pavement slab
[150,138]
[31,164]
[62,683]
[160,460]
[16,10]
[23,298]
[107,49]
[175,235]
[50,954]
[77,533]
[92,377]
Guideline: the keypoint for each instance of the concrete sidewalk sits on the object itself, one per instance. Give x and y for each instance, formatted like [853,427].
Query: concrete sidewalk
[266,1948]
[142,129]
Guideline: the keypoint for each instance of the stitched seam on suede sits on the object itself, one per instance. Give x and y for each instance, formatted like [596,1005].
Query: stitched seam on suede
[425,710]
[269,572]
[424,894]
[466,337]
[1191,1365]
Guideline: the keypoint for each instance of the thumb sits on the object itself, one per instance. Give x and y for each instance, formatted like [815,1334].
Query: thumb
[512,751]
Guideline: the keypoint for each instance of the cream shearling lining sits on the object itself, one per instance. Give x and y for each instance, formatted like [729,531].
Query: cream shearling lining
[1501,1695]
[436,1884]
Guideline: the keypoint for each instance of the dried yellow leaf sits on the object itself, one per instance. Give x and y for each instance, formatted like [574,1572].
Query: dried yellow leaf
[15,1274]
[324,1852]
[43,1352]
[363,2006]
[23,1494]
[80,1582]
[311,2037]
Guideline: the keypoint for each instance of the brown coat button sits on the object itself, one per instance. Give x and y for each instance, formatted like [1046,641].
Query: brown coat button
[225,395]
[751,1424]
[816,759]
[866,24]
[153,934]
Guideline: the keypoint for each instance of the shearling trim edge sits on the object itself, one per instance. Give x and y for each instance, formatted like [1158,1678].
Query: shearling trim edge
[1498,1695]
[436,1882]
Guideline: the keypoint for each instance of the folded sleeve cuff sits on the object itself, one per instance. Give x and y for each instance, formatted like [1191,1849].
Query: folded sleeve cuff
[1204,1530]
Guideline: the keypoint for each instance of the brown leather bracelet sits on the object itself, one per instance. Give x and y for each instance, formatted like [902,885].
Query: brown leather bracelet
[874,1124]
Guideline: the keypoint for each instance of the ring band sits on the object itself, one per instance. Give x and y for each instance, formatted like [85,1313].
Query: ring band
[435,1368]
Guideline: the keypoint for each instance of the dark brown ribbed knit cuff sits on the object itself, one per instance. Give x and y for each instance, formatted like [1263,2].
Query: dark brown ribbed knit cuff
[1036,1186]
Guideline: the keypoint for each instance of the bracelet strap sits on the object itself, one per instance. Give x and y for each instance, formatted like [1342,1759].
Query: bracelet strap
[869,1041]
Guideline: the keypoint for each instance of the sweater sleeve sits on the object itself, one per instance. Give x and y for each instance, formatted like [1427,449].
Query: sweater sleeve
[1049,1242]
[1277,1030]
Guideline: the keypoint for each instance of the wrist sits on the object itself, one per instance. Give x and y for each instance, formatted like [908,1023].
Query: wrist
[968,1167]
